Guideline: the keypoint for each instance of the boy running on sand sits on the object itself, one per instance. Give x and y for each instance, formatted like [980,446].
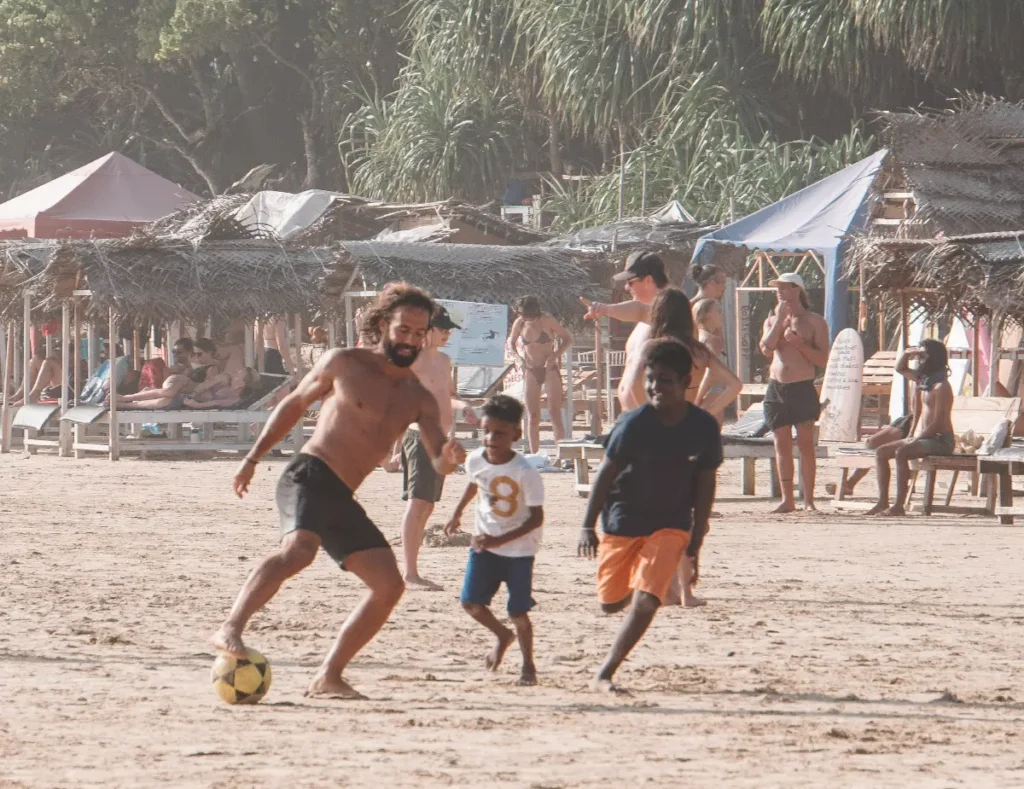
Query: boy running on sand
[654,492]
[509,516]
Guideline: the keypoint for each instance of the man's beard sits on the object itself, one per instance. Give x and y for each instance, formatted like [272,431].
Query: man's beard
[400,360]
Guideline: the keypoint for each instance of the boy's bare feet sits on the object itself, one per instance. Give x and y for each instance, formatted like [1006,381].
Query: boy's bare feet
[323,686]
[895,511]
[692,601]
[878,508]
[493,660]
[415,582]
[784,508]
[809,507]
[527,677]
[229,640]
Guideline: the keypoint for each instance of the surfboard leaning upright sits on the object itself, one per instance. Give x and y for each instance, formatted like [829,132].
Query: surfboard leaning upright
[841,390]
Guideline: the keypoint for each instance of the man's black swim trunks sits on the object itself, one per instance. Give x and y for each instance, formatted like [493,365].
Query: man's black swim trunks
[310,496]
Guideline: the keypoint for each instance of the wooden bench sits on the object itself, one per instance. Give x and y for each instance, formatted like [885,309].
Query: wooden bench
[979,414]
[749,450]
[876,383]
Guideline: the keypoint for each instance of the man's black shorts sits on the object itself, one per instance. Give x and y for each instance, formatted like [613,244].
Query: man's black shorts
[420,479]
[790,404]
[310,496]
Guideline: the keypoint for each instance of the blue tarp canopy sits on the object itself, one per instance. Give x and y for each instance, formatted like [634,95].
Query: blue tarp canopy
[817,218]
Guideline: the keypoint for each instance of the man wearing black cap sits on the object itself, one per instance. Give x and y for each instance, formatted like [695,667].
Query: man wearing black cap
[644,277]
[421,484]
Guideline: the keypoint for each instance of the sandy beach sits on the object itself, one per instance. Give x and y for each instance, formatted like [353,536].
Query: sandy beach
[835,650]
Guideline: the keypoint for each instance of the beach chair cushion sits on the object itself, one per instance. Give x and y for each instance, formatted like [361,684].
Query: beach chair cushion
[34,416]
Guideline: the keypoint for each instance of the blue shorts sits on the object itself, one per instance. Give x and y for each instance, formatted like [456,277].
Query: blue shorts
[485,572]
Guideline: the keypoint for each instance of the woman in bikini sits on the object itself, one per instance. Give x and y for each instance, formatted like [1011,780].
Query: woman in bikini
[538,342]
[707,315]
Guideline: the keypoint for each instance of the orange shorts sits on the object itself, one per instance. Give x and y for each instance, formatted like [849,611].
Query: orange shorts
[625,564]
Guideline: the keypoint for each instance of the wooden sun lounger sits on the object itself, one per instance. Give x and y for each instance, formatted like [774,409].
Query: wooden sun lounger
[34,419]
[256,413]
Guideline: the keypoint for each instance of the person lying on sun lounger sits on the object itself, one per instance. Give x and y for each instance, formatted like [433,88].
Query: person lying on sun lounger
[226,392]
[174,388]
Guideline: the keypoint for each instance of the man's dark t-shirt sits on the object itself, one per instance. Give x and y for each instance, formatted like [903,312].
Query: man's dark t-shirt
[659,462]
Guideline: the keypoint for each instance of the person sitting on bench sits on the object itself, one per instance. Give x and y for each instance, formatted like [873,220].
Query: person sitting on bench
[934,435]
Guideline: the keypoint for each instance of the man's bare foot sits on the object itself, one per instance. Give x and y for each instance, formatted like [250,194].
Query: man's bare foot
[229,641]
[605,685]
[493,660]
[692,601]
[783,508]
[809,507]
[895,511]
[878,508]
[422,584]
[672,599]
[323,686]
[527,677]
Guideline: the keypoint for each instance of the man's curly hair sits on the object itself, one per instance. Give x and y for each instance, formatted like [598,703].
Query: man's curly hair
[392,297]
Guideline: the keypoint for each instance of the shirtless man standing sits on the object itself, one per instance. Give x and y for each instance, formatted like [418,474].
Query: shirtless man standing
[422,485]
[644,276]
[796,341]
[369,397]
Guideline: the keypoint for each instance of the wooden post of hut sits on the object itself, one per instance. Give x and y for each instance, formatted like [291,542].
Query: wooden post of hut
[258,342]
[63,430]
[595,426]
[5,406]
[298,434]
[77,348]
[115,433]
[976,358]
[570,405]
[26,379]
[995,346]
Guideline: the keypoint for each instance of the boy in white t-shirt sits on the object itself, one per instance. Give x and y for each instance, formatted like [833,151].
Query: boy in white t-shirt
[507,534]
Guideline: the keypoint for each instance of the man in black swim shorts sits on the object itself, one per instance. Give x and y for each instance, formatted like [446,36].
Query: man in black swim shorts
[368,396]
[796,340]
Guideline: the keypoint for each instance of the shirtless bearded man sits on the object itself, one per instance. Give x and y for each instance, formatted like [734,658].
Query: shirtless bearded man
[369,397]
[422,485]
[796,341]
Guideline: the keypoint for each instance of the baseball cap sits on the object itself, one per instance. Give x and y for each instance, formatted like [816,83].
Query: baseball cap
[639,265]
[790,279]
[442,320]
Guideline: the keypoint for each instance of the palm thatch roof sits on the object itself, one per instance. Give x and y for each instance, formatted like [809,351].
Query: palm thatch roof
[165,279]
[976,274]
[477,273]
[671,232]
[965,168]
[346,218]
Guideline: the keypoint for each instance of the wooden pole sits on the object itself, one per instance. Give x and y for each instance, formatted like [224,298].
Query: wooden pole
[91,348]
[739,338]
[27,382]
[76,358]
[995,345]
[905,333]
[136,350]
[63,433]
[5,406]
[598,365]
[115,433]
[299,369]
[976,357]
[351,336]
[570,406]
[250,347]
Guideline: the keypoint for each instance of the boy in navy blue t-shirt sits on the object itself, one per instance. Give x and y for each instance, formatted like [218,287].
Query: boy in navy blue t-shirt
[654,493]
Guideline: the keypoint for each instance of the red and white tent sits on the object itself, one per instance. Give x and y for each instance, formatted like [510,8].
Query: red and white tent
[106,198]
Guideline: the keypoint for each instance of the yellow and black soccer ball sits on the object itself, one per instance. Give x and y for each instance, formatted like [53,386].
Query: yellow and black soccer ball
[241,680]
